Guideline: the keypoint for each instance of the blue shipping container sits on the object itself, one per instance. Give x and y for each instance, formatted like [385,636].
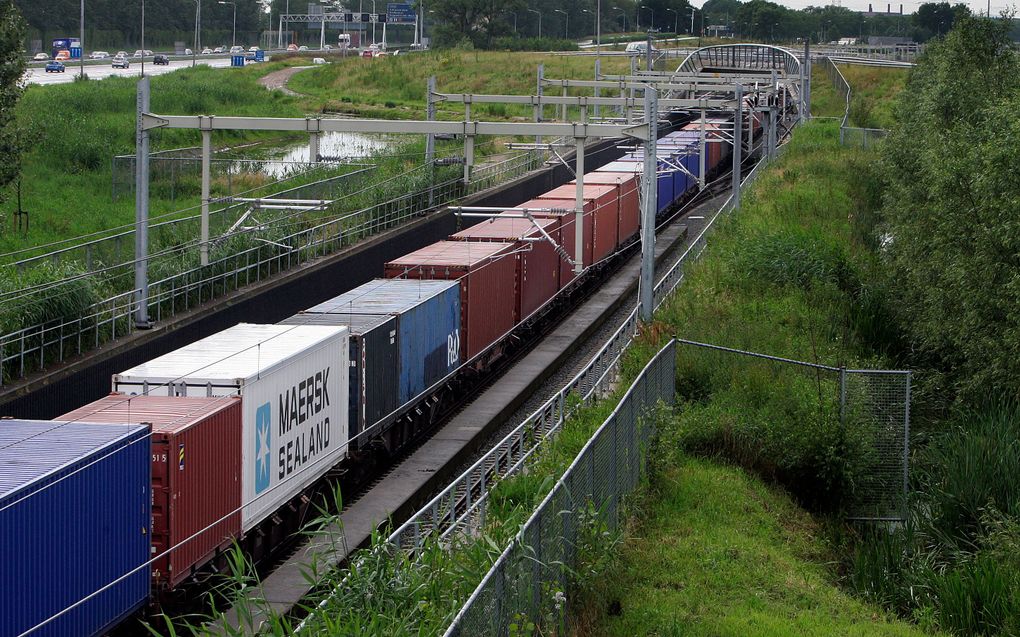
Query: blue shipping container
[428,325]
[75,507]
[665,180]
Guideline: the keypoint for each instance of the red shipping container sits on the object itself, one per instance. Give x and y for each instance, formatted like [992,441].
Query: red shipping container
[538,265]
[196,474]
[487,274]
[627,185]
[607,213]
[568,237]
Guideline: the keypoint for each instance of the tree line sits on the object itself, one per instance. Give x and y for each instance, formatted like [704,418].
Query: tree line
[119,23]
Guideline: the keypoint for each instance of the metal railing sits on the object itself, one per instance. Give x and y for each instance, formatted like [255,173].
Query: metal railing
[866,411]
[850,135]
[530,580]
[32,349]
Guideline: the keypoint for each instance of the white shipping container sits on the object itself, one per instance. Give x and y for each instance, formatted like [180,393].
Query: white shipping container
[292,380]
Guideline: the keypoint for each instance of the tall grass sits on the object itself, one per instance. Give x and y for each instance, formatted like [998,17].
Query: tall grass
[956,564]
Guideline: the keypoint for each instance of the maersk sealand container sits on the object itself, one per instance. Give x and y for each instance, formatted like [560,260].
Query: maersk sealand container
[292,380]
[74,519]
[428,325]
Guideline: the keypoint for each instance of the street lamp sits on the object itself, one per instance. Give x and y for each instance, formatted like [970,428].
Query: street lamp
[651,11]
[81,42]
[566,23]
[143,38]
[676,20]
[198,31]
[234,25]
[624,17]
[539,13]
[593,21]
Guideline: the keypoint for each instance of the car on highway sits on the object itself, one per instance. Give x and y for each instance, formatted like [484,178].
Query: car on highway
[302,48]
[292,47]
[161,59]
[206,51]
[639,47]
[327,47]
[121,54]
[99,55]
[121,63]
[318,60]
[41,57]
[54,67]
[137,54]
[253,49]
[236,49]
[63,54]
[218,49]
[188,52]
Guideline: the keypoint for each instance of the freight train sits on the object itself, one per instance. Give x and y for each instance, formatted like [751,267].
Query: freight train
[129,498]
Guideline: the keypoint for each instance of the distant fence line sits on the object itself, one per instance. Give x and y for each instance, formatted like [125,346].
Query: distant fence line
[850,135]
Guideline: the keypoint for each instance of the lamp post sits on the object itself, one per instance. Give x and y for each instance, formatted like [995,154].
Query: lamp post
[624,17]
[652,27]
[566,23]
[594,24]
[81,42]
[676,20]
[692,20]
[143,38]
[539,13]
[233,26]
[198,30]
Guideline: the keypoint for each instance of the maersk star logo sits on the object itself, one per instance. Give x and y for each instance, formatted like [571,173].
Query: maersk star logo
[263,440]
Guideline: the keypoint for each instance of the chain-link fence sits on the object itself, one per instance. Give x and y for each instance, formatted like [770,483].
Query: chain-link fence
[849,135]
[846,430]
[530,581]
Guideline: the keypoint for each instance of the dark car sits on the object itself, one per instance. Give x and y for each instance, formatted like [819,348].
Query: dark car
[54,67]
[161,59]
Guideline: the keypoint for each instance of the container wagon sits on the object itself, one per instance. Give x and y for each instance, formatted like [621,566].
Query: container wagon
[605,215]
[292,380]
[487,276]
[196,475]
[74,518]
[537,264]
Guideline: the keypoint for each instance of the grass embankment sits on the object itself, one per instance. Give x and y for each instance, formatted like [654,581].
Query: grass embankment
[394,87]
[713,550]
[873,94]
[78,127]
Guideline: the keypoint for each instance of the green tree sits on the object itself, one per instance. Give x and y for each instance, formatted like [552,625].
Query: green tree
[951,221]
[12,68]
[937,18]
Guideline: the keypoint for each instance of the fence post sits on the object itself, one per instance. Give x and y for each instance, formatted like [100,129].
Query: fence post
[906,444]
[842,396]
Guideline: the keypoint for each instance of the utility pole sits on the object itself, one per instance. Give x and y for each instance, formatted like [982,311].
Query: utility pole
[141,207]
[650,189]
[738,144]
[81,41]
[143,38]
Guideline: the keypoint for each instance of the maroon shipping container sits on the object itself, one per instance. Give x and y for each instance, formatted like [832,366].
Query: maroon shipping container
[196,474]
[568,237]
[713,146]
[607,212]
[538,265]
[627,189]
[487,274]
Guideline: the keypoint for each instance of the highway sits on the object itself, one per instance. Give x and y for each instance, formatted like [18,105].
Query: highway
[95,71]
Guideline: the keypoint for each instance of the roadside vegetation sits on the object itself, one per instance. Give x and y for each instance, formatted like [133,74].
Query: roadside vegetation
[873,94]
[394,87]
[895,259]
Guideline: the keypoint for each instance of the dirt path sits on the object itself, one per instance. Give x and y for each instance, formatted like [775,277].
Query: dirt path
[277,80]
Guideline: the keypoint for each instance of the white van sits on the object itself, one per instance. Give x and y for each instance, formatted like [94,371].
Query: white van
[638,47]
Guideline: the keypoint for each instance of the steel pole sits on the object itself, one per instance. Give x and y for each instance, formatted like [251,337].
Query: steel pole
[81,41]
[649,183]
[143,38]
[807,77]
[579,208]
[141,207]
[738,144]
[206,166]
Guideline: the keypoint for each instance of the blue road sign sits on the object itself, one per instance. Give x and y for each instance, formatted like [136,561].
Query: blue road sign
[400,13]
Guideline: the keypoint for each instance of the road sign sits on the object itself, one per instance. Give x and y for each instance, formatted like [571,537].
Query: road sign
[400,13]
